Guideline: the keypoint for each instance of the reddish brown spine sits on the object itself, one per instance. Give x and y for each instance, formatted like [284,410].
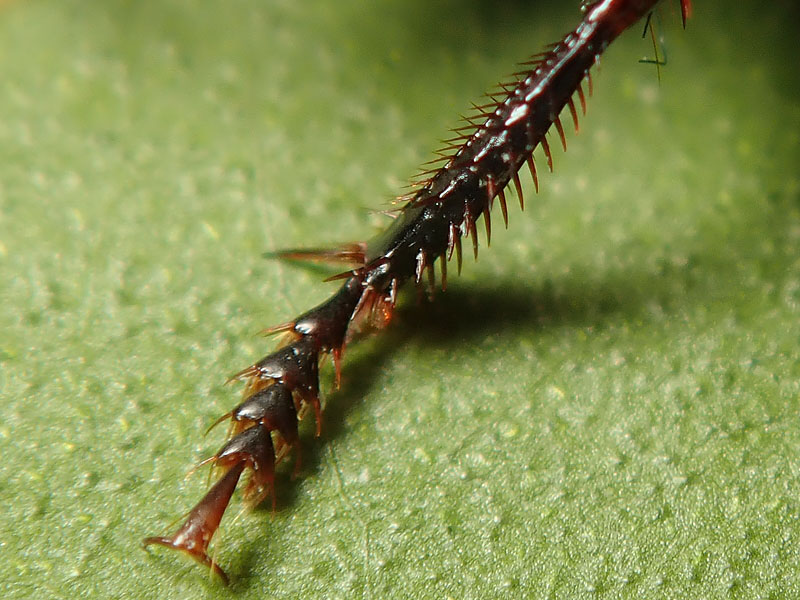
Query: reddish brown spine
[444,207]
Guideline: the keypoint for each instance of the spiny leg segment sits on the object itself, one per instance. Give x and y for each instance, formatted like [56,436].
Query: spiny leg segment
[444,205]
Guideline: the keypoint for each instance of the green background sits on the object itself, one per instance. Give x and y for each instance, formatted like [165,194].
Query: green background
[604,406]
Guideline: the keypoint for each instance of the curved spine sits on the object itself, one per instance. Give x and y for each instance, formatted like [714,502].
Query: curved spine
[444,206]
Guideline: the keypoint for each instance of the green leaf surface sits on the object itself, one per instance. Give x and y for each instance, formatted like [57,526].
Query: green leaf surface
[604,406]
